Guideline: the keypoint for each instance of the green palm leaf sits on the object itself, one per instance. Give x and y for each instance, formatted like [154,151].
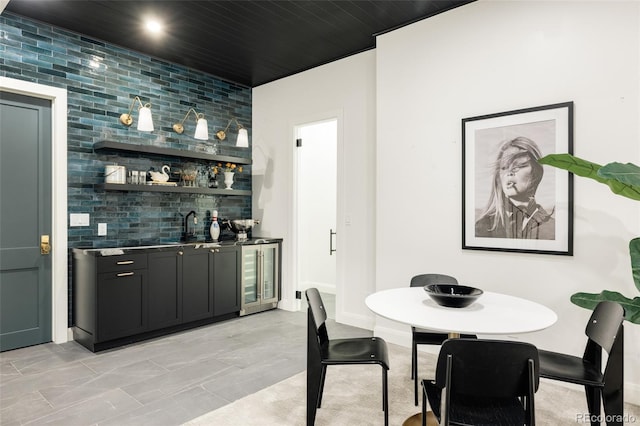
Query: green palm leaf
[623,179]
[589,301]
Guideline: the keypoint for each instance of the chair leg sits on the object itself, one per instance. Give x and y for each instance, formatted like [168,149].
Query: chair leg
[593,403]
[424,406]
[313,387]
[414,371]
[322,376]
[414,355]
[613,408]
[613,392]
[385,396]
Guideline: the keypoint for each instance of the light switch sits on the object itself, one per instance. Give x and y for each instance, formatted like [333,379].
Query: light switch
[79,219]
[102,229]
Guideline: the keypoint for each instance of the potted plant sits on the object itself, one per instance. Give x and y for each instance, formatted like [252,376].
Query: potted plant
[624,180]
[229,169]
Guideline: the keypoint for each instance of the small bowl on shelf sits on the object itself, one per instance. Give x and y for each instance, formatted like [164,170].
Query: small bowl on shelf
[453,296]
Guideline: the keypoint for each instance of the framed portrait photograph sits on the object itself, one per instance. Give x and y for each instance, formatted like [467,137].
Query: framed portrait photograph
[510,202]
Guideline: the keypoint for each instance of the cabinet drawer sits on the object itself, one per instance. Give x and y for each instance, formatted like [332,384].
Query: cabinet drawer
[125,262]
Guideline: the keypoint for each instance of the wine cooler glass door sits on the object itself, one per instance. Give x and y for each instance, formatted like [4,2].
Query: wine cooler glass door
[250,274]
[269,272]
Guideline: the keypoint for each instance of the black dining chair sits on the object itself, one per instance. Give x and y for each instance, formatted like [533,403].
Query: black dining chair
[483,382]
[604,332]
[322,352]
[425,337]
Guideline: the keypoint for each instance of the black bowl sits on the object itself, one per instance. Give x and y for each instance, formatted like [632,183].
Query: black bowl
[451,295]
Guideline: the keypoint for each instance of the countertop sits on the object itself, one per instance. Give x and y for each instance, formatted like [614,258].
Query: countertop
[112,251]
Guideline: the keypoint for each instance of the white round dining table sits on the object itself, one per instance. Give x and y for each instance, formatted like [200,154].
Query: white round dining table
[491,313]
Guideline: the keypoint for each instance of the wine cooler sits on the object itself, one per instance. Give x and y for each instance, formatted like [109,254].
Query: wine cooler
[260,278]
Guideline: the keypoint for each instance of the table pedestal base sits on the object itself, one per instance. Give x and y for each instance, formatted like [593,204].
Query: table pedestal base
[416,420]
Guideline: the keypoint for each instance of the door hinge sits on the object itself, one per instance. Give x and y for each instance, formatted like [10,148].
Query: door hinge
[298,295]
[298,143]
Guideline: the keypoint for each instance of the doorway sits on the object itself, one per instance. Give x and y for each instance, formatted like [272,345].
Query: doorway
[54,177]
[25,221]
[317,209]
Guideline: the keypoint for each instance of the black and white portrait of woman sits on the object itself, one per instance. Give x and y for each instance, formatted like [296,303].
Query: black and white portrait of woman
[512,210]
[511,202]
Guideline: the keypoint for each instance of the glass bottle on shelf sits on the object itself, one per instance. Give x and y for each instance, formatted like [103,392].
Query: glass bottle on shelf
[213,182]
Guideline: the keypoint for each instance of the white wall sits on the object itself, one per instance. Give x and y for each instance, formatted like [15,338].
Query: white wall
[345,90]
[481,58]
[489,57]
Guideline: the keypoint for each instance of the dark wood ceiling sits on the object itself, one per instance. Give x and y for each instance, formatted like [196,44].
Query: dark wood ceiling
[247,42]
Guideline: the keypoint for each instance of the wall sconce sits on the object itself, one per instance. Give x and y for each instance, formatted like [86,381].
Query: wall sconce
[202,132]
[243,135]
[145,123]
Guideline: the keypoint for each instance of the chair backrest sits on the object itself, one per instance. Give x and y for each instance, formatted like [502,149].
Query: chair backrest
[316,306]
[426,279]
[316,317]
[604,324]
[488,368]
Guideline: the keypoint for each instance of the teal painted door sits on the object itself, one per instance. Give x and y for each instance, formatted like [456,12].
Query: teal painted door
[25,217]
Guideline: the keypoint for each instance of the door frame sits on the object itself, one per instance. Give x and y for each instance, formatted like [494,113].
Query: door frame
[340,203]
[60,332]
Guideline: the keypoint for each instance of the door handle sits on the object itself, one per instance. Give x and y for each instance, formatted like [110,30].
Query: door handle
[45,247]
[331,249]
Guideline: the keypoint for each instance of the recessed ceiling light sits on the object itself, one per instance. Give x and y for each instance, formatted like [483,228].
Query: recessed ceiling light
[153,26]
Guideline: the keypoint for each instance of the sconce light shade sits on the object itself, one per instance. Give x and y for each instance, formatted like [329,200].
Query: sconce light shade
[243,138]
[145,122]
[243,135]
[202,132]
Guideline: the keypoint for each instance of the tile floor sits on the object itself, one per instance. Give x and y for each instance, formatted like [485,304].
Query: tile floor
[165,381]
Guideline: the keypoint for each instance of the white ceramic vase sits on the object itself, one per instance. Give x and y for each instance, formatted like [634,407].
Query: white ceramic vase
[228,179]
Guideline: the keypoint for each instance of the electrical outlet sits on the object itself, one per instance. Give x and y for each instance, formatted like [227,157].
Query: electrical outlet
[102,229]
[79,219]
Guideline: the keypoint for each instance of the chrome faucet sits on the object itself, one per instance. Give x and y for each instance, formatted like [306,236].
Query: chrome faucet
[190,234]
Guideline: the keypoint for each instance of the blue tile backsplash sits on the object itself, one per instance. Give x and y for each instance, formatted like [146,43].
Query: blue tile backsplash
[101,81]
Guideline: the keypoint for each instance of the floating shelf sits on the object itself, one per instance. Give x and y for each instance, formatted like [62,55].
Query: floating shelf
[171,152]
[168,152]
[176,189]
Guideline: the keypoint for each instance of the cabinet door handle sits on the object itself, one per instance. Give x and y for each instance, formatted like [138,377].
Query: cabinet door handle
[124,262]
[124,274]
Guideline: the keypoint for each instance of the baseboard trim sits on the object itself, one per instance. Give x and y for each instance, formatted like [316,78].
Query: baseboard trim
[360,321]
[322,287]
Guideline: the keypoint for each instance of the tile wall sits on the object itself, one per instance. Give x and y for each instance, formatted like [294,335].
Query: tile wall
[101,82]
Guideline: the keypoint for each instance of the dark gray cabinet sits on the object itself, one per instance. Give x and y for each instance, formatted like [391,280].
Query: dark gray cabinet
[122,304]
[122,296]
[210,280]
[225,270]
[197,286]
[110,296]
[165,288]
